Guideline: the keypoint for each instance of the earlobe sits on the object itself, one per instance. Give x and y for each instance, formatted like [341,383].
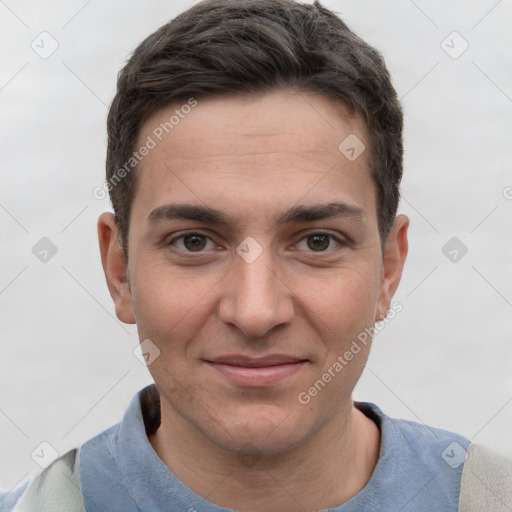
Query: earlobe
[115,268]
[395,253]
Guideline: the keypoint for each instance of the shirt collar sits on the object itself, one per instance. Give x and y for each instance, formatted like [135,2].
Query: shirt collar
[152,485]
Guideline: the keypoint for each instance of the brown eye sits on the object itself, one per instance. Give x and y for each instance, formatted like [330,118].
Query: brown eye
[321,242]
[318,242]
[194,243]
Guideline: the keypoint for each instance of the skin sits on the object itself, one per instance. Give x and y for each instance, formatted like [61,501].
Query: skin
[245,447]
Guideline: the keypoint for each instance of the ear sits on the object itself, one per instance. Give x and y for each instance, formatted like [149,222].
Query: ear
[115,268]
[395,252]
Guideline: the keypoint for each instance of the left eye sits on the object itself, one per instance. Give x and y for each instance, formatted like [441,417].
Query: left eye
[320,242]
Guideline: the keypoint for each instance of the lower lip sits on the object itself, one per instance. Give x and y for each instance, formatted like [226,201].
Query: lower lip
[257,377]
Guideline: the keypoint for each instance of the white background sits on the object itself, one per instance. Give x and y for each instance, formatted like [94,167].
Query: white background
[67,370]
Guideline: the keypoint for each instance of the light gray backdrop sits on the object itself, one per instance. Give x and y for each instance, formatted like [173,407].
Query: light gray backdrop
[67,368]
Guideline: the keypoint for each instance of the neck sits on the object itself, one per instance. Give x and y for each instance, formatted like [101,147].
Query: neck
[323,472]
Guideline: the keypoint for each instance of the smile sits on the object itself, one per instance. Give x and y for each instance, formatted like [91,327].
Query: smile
[253,372]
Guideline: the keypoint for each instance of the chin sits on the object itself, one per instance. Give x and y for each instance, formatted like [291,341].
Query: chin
[262,430]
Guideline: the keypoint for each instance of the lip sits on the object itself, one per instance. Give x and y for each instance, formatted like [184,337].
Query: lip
[257,372]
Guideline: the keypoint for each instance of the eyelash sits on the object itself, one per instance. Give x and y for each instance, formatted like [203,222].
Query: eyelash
[340,242]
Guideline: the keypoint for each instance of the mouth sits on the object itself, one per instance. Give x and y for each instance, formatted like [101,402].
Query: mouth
[256,372]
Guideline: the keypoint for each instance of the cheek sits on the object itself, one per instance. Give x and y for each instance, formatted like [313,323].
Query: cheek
[344,314]
[168,305]
[344,304]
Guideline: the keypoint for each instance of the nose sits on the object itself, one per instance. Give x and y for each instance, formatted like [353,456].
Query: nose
[255,297]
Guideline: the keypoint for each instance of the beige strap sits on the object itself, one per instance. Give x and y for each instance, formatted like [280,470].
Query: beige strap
[56,489]
[486,484]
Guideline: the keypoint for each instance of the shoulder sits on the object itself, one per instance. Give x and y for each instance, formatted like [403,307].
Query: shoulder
[419,467]
[427,467]
[95,470]
[428,444]
[56,489]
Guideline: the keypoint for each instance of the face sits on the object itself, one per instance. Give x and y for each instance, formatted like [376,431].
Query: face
[254,263]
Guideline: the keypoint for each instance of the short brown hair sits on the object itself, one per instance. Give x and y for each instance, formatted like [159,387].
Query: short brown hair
[228,47]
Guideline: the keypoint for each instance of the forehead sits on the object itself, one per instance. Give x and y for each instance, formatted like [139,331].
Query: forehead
[226,125]
[257,151]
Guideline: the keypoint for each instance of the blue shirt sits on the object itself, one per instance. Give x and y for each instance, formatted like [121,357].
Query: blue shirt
[419,468]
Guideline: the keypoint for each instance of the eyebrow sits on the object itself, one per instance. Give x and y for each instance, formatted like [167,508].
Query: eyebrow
[294,215]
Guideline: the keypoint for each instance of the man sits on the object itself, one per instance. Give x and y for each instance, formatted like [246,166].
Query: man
[254,161]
